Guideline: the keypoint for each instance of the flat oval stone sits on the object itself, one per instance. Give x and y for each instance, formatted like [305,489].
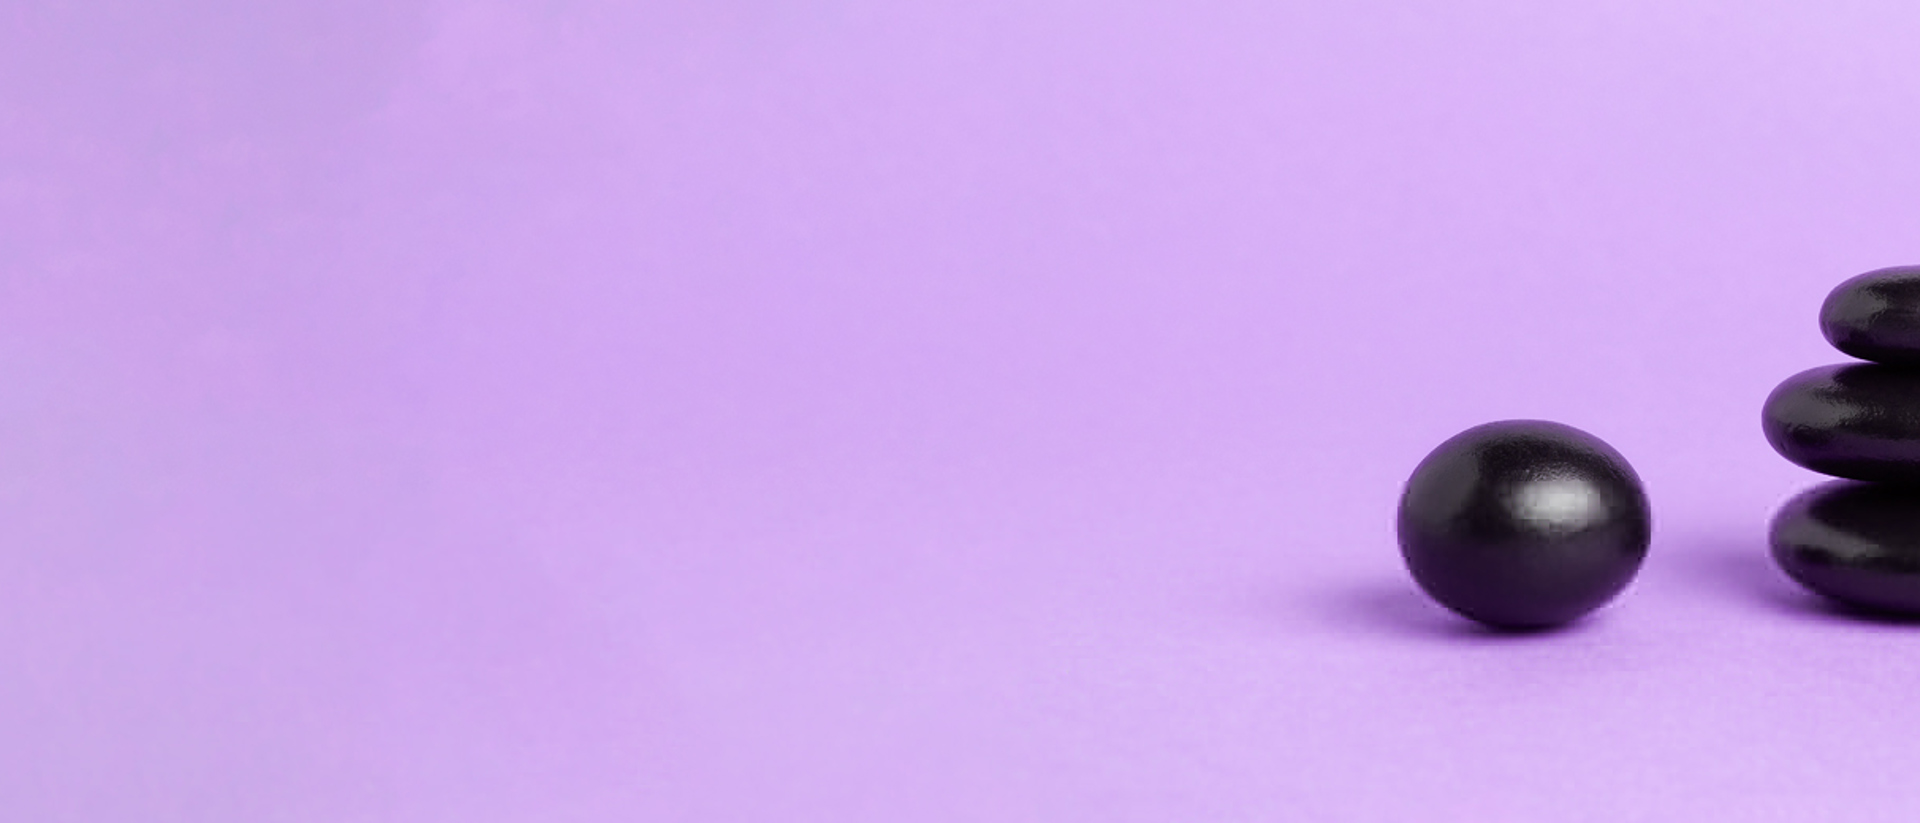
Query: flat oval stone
[1857,543]
[1876,316]
[1859,421]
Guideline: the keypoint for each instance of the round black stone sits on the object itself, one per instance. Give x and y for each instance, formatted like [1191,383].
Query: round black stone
[1857,543]
[1876,316]
[1523,523]
[1859,421]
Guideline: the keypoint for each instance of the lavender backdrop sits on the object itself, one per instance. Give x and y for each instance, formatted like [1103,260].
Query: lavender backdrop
[931,411]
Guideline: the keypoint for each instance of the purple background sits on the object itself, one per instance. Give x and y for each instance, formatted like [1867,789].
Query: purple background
[840,411]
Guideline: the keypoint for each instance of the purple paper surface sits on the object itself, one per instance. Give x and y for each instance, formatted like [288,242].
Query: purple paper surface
[914,411]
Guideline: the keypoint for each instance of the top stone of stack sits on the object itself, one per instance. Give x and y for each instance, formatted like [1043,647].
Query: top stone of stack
[1876,316]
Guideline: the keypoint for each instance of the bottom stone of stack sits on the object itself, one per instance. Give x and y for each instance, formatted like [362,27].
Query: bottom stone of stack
[1856,543]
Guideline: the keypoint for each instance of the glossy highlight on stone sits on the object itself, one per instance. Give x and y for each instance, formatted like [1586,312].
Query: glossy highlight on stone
[1856,543]
[1876,316]
[1859,421]
[1523,524]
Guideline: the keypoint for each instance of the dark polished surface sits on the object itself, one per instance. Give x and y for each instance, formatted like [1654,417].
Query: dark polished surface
[1857,543]
[1859,421]
[1523,523]
[1876,316]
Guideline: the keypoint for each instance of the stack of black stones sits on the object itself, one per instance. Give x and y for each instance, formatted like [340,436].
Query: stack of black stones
[1857,540]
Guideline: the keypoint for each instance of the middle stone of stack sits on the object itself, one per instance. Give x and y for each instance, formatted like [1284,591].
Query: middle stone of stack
[1859,421]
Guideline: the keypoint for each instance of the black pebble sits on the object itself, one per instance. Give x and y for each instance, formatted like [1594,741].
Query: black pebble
[1859,421]
[1857,543]
[1523,523]
[1876,316]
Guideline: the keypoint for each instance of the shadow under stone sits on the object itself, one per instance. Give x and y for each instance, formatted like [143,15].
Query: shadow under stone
[1398,608]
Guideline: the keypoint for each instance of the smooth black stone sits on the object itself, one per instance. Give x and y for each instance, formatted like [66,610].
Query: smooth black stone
[1876,316]
[1859,421]
[1523,523]
[1857,543]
